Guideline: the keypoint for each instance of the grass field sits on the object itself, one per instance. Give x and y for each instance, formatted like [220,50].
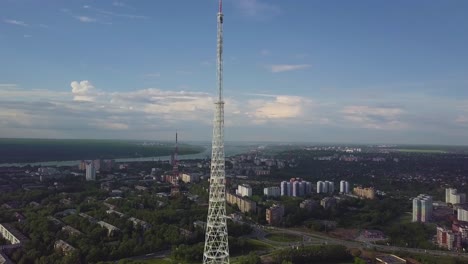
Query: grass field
[255,244]
[406,218]
[284,237]
[251,245]
[156,261]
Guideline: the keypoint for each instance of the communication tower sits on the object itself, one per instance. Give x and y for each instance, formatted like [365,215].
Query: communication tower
[216,240]
[175,170]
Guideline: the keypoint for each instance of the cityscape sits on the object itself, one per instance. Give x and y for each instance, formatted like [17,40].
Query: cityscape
[136,212]
[244,175]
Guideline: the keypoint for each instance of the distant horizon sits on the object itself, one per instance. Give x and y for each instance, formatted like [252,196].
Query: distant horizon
[244,142]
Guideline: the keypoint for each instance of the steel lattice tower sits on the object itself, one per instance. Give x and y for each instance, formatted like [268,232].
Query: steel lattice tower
[216,240]
[175,169]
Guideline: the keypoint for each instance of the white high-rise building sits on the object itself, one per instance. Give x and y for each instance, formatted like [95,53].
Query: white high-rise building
[462,214]
[422,208]
[190,178]
[325,187]
[448,193]
[97,164]
[426,209]
[244,190]
[320,187]
[90,172]
[308,188]
[453,197]
[344,187]
[302,187]
[272,191]
[330,186]
[416,210]
[295,188]
[284,188]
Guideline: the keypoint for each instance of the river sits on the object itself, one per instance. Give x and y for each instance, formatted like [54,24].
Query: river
[230,150]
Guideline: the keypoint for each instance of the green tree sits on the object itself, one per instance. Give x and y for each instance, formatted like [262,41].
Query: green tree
[252,258]
[358,260]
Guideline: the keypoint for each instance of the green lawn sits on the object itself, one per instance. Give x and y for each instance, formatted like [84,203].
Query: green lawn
[152,261]
[283,237]
[255,244]
[251,245]
[405,218]
[155,261]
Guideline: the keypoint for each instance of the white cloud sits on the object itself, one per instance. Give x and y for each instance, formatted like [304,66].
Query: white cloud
[261,94]
[167,105]
[85,111]
[110,125]
[278,107]
[463,105]
[85,19]
[16,93]
[374,117]
[8,85]
[367,110]
[114,14]
[82,91]
[15,22]
[287,67]
[11,115]
[27,36]
[462,120]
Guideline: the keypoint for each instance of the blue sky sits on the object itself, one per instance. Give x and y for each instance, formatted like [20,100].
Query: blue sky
[318,71]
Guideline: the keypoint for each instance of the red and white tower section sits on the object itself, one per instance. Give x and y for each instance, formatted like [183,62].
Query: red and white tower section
[175,169]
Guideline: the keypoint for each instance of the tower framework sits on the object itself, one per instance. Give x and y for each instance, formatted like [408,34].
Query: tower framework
[216,240]
[175,169]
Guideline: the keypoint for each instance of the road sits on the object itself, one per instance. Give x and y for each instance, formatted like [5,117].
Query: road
[309,238]
[314,239]
[155,255]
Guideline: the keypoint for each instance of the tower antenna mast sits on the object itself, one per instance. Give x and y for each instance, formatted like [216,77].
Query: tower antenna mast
[175,169]
[216,239]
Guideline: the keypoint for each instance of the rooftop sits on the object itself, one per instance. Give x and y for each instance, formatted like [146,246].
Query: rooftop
[63,245]
[4,258]
[14,232]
